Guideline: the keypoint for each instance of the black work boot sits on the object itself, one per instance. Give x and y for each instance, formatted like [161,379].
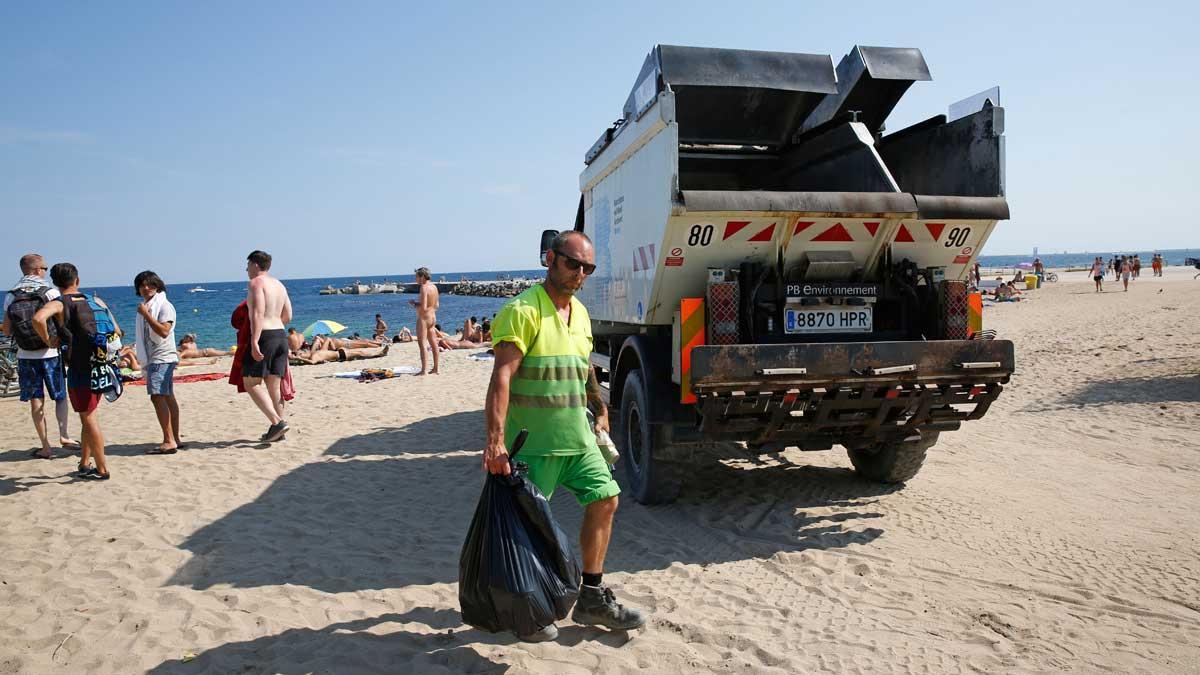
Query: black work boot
[597,606]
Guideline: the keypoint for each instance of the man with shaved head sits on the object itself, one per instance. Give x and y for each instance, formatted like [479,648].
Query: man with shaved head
[542,381]
[39,366]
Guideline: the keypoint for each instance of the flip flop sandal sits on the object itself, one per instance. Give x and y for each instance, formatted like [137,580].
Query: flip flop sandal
[160,451]
[37,454]
[95,475]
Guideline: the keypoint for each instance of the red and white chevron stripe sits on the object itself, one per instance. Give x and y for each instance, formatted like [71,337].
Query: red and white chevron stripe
[912,232]
[644,258]
[835,231]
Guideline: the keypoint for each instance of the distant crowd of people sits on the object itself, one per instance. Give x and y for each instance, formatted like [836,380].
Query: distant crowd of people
[1124,268]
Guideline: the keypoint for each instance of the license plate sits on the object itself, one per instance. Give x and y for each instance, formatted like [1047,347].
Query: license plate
[828,320]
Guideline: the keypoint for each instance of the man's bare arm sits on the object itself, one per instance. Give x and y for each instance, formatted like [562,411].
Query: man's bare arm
[286,314]
[508,359]
[161,329]
[595,400]
[423,298]
[41,318]
[255,302]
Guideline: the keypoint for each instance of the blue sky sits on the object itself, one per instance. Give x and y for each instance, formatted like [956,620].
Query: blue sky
[369,138]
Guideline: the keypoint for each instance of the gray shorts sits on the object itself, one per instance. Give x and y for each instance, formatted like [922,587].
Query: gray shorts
[160,379]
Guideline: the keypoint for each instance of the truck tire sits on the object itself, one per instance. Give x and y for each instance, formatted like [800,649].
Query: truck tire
[893,462]
[652,480]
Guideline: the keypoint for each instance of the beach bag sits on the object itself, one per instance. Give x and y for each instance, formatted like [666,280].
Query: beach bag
[27,300]
[517,571]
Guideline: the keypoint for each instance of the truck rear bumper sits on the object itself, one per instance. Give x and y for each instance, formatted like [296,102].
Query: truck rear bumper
[815,395]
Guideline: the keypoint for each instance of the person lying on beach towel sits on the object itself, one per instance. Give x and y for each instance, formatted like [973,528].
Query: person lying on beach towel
[315,356]
[189,350]
[450,343]
[324,343]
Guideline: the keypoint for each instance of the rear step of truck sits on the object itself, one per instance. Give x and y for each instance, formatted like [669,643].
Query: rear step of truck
[816,395]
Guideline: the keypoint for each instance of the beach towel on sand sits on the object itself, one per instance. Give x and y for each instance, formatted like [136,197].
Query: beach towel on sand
[395,370]
[179,379]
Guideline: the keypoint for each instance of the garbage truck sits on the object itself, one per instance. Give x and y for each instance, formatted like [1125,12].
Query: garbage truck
[774,268]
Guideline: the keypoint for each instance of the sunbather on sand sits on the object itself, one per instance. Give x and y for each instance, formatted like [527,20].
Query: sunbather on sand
[295,340]
[189,350]
[315,356]
[451,343]
[127,358]
[405,335]
[323,343]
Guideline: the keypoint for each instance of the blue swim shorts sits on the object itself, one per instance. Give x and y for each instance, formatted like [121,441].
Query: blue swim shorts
[160,379]
[33,373]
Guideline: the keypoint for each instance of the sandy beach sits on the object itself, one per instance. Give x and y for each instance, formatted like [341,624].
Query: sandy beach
[1061,533]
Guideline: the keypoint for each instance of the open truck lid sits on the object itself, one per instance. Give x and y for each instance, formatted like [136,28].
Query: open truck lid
[738,96]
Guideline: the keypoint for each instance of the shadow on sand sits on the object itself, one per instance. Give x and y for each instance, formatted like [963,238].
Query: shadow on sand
[430,436]
[1181,388]
[347,648]
[131,449]
[341,525]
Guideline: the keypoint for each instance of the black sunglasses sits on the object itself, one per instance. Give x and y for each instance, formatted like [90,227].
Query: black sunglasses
[573,264]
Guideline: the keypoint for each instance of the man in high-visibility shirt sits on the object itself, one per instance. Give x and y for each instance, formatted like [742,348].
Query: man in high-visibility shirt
[542,381]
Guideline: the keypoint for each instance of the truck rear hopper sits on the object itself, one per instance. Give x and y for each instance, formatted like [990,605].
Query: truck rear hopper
[726,157]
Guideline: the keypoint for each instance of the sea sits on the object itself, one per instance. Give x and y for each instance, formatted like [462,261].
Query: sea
[204,308]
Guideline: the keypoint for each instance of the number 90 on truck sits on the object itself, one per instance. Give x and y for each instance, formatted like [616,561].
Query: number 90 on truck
[773,268]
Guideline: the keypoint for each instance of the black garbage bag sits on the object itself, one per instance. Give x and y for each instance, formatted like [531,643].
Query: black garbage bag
[517,571]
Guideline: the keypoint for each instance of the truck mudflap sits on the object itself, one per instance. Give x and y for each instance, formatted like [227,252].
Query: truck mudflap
[815,395]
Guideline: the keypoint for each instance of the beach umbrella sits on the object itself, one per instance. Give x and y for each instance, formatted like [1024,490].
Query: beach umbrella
[323,327]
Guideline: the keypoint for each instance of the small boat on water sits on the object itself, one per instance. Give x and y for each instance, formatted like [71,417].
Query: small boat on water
[198,289]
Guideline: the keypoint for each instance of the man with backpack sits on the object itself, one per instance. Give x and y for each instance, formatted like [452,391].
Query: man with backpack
[74,317]
[39,366]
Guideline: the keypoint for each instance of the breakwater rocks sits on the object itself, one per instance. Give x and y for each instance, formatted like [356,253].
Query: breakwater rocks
[505,288]
[498,288]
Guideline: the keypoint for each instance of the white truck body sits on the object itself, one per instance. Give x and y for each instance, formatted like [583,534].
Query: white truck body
[772,268]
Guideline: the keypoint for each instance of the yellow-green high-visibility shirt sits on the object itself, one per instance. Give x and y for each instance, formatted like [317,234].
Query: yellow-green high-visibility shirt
[548,393]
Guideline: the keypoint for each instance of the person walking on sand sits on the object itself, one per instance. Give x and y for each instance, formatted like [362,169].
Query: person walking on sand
[156,349]
[542,381]
[427,306]
[1098,273]
[1137,266]
[1126,271]
[38,364]
[265,362]
[72,312]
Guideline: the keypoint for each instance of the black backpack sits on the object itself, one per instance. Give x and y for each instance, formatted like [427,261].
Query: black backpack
[27,300]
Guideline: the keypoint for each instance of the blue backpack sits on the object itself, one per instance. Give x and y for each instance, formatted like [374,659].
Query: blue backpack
[105,327]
